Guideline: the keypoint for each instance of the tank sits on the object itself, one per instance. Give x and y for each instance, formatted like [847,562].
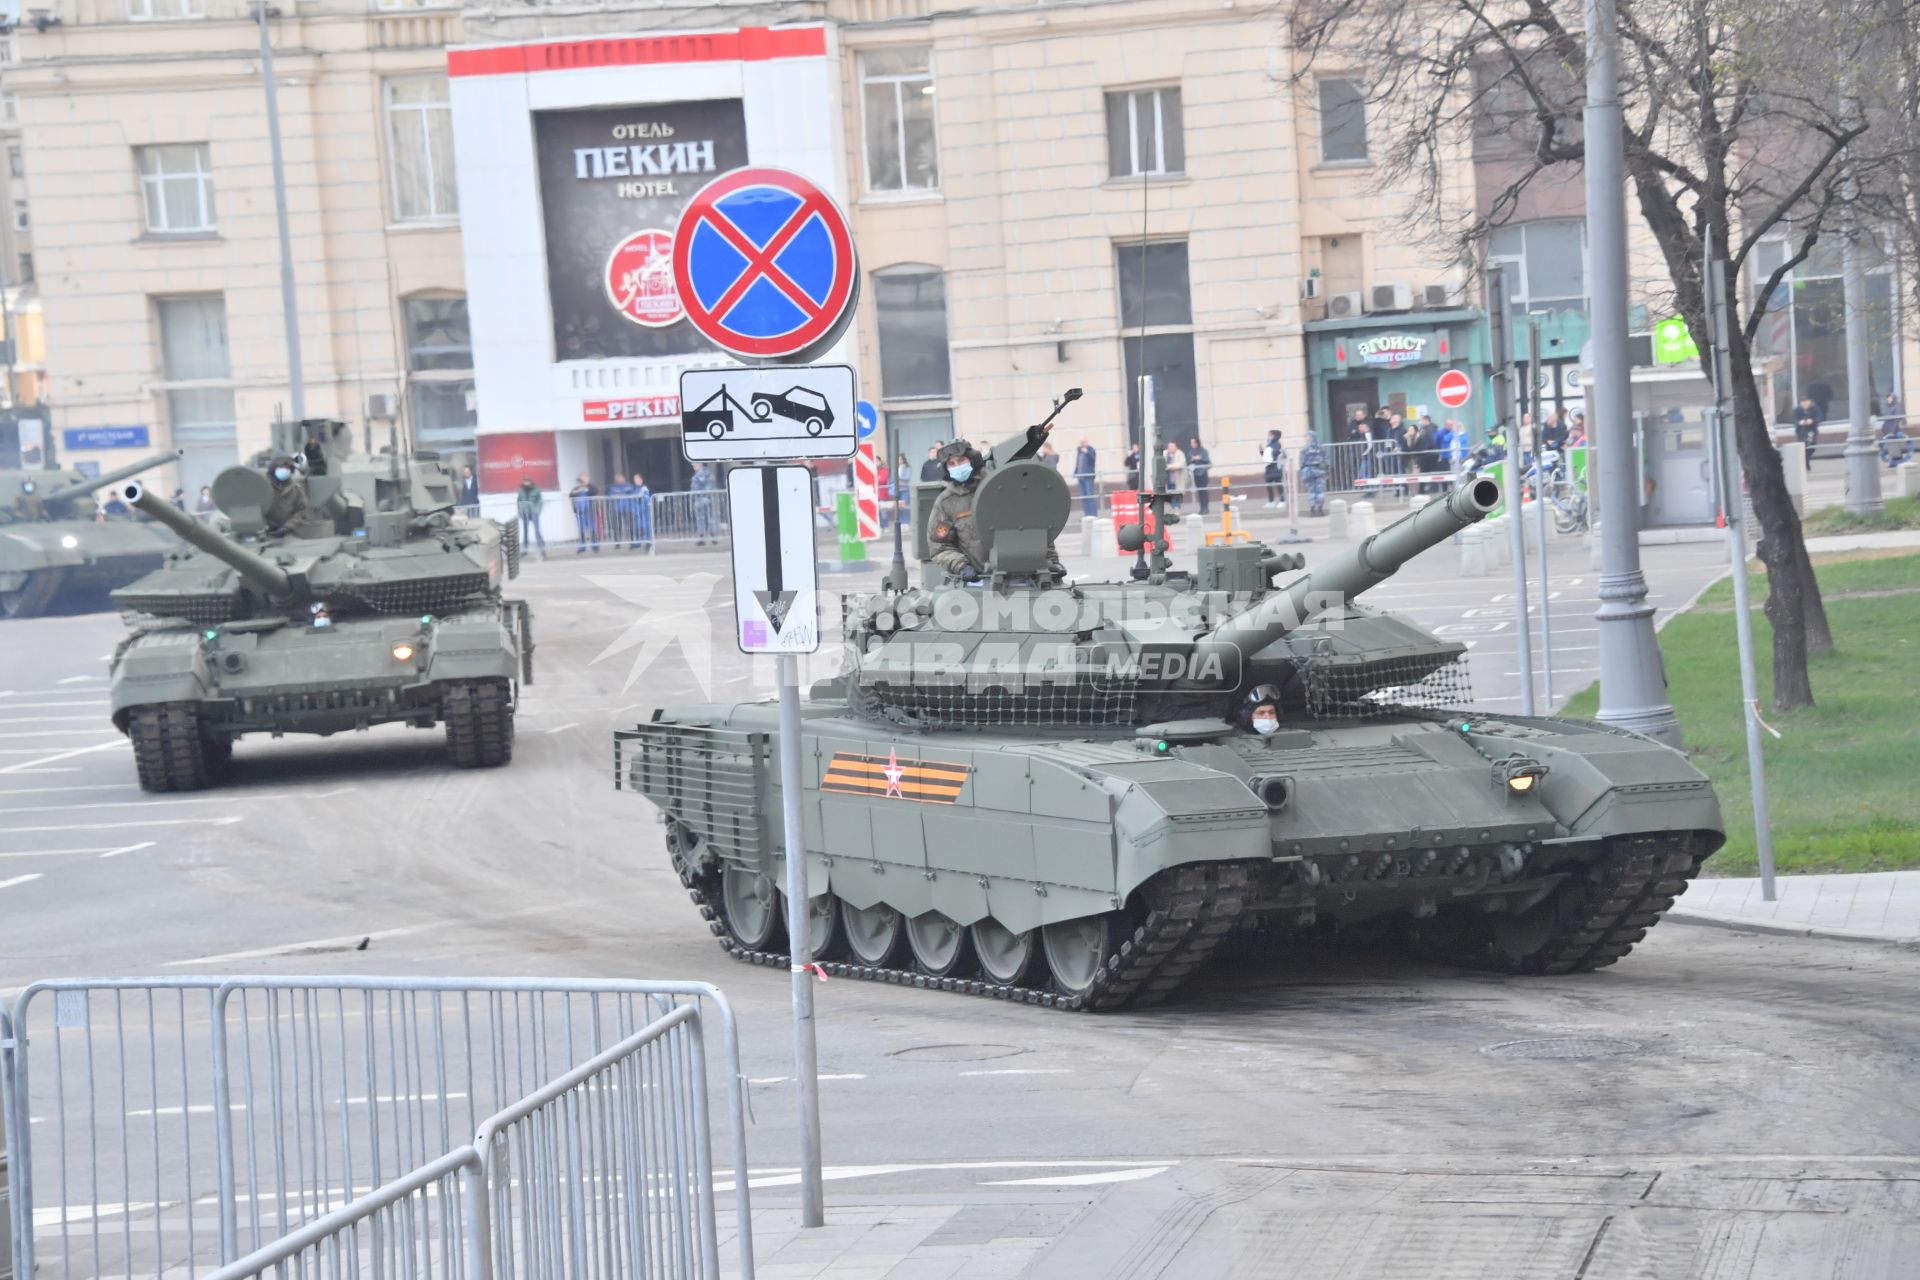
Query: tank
[1051,791]
[349,596]
[55,550]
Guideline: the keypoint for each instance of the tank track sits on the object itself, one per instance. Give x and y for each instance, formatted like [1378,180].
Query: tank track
[1601,918]
[1191,910]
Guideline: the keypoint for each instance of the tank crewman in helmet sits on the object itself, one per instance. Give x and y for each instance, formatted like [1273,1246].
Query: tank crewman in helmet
[1260,712]
[958,546]
[27,504]
[289,505]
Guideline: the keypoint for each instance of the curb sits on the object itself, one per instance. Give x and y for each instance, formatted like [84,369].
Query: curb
[1678,916]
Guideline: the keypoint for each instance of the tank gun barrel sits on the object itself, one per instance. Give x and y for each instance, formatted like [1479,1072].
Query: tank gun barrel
[115,476]
[262,574]
[1337,580]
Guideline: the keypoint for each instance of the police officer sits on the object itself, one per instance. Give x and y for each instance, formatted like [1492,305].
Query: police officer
[958,547]
[289,505]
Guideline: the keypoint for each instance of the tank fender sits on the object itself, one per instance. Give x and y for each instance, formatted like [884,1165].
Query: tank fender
[160,666]
[1171,812]
[1603,785]
[470,646]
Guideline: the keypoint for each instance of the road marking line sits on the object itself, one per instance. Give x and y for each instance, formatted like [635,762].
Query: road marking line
[30,876]
[129,848]
[1083,1179]
[1022,1071]
[46,720]
[78,679]
[157,803]
[56,733]
[294,948]
[105,850]
[123,826]
[24,765]
[785,1079]
[572,724]
[78,786]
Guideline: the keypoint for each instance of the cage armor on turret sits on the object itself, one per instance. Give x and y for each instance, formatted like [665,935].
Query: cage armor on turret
[58,549]
[1069,792]
[345,590]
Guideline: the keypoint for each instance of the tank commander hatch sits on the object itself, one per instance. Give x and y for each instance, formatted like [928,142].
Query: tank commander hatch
[958,546]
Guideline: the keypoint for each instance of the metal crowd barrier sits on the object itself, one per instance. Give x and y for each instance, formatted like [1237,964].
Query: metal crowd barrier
[158,1125]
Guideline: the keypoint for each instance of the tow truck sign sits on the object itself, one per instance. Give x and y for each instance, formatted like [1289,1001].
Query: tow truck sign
[791,411]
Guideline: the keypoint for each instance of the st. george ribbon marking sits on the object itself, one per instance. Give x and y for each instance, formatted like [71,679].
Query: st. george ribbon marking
[775,588]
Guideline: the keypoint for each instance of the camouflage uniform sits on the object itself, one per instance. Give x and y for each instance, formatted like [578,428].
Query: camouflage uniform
[289,505]
[1313,474]
[958,547]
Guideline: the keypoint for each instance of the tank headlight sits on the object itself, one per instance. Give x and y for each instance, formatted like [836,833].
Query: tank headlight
[68,541]
[403,651]
[1520,782]
[1519,774]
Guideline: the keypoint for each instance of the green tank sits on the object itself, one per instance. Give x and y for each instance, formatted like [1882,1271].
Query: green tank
[1054,792]
[55,550]
[349,595]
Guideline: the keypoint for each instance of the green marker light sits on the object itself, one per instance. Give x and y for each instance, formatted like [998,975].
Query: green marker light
[426,619]
[213,635]
[1160,746]
[1465,727]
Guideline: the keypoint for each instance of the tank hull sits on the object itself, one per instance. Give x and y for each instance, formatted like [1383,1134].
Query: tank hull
[40,573]
[1174,843]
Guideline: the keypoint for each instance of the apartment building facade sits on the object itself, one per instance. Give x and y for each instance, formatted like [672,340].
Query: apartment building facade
[143,134]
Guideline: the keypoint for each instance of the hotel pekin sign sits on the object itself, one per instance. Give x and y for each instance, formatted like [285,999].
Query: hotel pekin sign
[613,183]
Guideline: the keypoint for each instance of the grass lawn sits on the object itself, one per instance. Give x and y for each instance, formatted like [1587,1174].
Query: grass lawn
[1901,513]
[1843,781]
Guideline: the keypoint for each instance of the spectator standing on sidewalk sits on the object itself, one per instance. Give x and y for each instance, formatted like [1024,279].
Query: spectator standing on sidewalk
[704,484]
[1313,475]
[1176,472]
[1273,458]
[619,511]
[642,514]
[469,491]
[1085,476]
[1806,426]
[1893,415]
[585,515]
[930,469]
[1200,468]
[528,502]
[1133,468]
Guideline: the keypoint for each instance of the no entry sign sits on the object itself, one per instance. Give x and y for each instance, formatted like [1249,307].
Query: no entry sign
[1454,388]
[764,264]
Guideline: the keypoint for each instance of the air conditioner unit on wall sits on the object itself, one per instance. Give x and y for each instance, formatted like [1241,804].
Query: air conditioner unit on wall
[1344,306]
[1436,296]
[381,406]
[1391,297]
[1310,287]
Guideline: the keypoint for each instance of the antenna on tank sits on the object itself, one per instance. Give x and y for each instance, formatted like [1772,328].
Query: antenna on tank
[896,579]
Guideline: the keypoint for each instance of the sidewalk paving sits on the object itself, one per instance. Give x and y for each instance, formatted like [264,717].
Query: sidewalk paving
[1879,906]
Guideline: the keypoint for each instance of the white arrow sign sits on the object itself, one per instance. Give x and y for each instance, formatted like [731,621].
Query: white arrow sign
[775,577]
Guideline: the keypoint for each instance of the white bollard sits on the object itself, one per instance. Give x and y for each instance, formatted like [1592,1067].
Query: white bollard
[1893,481]
[1593,547]
[1473,553]
[1096,536]
[1337,520]
[1364,525]
[1793,467]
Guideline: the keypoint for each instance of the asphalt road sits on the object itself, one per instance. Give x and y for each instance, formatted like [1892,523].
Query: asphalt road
[1751,1062]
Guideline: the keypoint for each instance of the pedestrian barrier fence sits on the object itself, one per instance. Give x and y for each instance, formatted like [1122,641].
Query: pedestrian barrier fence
[162,1125]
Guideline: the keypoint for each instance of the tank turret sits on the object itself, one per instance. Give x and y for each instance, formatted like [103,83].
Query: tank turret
[56,550]
[343,591]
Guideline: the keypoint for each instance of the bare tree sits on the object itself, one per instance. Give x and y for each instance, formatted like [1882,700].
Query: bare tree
[1734,120]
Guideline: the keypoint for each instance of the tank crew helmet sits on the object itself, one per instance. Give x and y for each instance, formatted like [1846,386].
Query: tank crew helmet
[283,468]
[961,462]
[1260,712]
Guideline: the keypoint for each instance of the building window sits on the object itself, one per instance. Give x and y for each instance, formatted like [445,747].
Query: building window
[1156,320]
[177,180]
[910,303]
[158,10]
[9,108]
[19,215]
[6,48]
[896,96]
[26,268]
[193,350]
[1544,265]
[1144,133]
[1803,333]
[420,131]
[16,163]
[440,372]
[1343,120]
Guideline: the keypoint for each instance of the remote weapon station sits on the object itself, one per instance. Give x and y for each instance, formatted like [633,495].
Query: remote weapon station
[56,550]
[345,592]
[1071,793]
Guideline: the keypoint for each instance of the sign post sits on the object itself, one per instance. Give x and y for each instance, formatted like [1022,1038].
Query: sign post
[764,265]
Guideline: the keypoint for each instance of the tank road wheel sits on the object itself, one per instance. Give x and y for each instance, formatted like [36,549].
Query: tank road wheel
[825,939]
[33,597]
[873,933]
[479,716]
[750,907]
[168,752]
[1005,956]
[940,947]
[1076,950]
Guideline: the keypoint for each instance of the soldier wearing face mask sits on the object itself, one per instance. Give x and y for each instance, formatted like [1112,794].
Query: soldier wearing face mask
[955,534]
[1260,714]
[289,505]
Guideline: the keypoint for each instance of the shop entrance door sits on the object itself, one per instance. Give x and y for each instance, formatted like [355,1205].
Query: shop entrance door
[1344,395]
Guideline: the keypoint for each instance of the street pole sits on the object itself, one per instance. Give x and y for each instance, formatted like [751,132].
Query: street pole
[1503,402]
[806,1057]
[289,304]
[1540,506]
[1863,458]
[1721,325]
[1633,679]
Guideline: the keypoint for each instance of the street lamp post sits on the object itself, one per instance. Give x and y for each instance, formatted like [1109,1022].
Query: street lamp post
[289,303]
[1633,679]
